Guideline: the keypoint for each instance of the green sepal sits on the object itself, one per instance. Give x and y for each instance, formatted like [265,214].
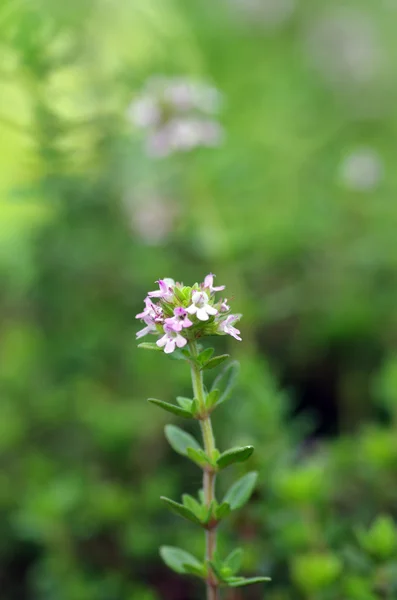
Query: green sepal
[216,361]
[177,559]
[198,456]
[240,492]
[171,408]
[185,403]
[222,511]
[180,510]
[212,399]
[179,440]
[149,346]
[205,356]
[240,581]
[225,381]
[234,455]
[232,562]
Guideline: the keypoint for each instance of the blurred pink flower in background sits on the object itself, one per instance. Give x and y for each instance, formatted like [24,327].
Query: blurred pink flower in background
[177,114]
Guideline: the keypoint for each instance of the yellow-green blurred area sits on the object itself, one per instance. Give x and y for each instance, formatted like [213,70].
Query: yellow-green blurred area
[295,211]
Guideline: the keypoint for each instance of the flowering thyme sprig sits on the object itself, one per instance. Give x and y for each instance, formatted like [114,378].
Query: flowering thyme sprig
[180,316]
[184,314]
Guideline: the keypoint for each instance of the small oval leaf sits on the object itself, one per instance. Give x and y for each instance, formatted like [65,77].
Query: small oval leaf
[225,381]
[205,355]
[198,456]
[185,403]
[212,399]
[241,491]
[179,440]
[234,455]
[171,408]
[177,559]
[180,510]
[216,361]
[240,581]
[233,561]
[149,346]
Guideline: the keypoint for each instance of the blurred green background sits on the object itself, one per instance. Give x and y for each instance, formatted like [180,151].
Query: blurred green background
[295,212]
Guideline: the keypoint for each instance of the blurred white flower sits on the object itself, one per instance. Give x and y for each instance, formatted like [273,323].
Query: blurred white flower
[344,46]
[152,216]
[362,170]
[177,115]
[265,13]
[144,112]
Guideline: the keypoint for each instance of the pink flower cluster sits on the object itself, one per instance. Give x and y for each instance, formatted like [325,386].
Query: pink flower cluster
[182,313]
[177,114]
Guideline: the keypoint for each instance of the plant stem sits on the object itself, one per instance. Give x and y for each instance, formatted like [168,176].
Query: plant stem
[209,475]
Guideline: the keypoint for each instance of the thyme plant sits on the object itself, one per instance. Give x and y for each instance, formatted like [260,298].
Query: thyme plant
[181,317]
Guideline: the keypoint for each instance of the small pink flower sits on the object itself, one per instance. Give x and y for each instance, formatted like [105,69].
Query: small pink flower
[200,306]
[208,284]
[148,312]
[179,320]
[170,339]
[227,326]
[166,289]
[224,306]
[150,328]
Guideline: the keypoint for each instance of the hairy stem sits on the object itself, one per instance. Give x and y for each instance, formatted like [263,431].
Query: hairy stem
[208,475]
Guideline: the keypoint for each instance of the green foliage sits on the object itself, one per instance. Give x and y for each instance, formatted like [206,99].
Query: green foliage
[181,561]
[172,408]
[180,510]
[234,455]
[181,441]
[225,382]
[241,490]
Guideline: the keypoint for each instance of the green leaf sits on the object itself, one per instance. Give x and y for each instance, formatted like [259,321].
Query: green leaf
[240,581]
[222,511]
[241,491]
[205,356]
[193,570]
[217,571]
[179,355]
[180,510]
[179,440]
[177,559]
[198,456]
[225,381]
[149,346]
[233,561]
[216,361]
[185,403]
[212,399]
[234,455]
[171,408]
[195,407]
[192,504]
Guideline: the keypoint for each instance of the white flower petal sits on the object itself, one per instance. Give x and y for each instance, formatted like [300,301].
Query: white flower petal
[180,341]
[202,314]
[170,346]
[162,341]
